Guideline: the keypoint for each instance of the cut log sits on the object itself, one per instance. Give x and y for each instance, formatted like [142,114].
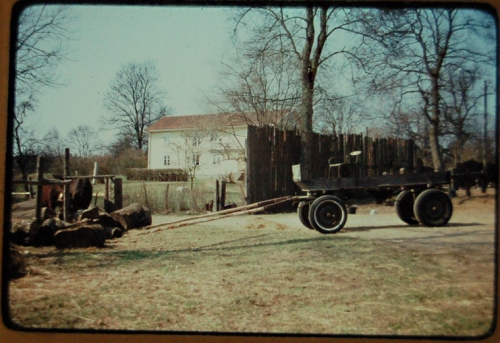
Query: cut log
[17,263]
[132,216]
[84,236]
[43,235]
[98,216]
[19,231]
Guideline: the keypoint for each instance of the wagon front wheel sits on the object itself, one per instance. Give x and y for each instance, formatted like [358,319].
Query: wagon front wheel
[404,207]
[433,208]
[303,212]
[328,214]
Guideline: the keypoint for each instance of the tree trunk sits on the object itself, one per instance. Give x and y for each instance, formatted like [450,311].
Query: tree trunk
[306,134]
[437,160]
[132,216]
[434,147]
[308,76]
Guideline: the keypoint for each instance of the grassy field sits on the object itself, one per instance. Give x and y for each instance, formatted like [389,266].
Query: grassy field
[154,195]
[255,274]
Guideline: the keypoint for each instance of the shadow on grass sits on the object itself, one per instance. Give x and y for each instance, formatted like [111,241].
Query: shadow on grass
[108,256]
[402,227]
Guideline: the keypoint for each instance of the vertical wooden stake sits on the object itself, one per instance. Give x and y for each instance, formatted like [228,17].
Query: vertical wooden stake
[106,188]
[166,195]
[118,194]
[222,194]
[66,195]
[95,172]
[216,197]
[39,189]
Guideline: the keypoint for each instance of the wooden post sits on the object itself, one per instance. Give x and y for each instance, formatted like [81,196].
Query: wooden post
[222,194]
[106,188]
[453,189]
[39,189]
[216,197]
[66,195]
[118,194]
[166,195]
[95,173]
[32,193]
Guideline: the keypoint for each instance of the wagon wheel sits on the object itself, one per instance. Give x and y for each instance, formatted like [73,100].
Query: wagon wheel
[328,214]
[404,207]
[433,208]
[303,212]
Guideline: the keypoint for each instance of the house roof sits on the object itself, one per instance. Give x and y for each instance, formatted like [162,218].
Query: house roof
[198,121]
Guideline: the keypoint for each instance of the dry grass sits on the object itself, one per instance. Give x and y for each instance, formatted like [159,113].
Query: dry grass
[153,195]
[259,277]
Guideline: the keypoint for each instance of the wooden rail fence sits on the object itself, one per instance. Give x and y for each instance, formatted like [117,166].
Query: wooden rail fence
[41,181]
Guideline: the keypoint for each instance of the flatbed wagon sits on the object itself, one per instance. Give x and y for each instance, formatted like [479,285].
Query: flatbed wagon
[419,198]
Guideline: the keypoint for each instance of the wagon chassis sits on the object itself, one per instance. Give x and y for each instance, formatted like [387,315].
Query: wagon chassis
[419,198]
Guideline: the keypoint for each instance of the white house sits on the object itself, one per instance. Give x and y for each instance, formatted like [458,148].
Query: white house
[211,146]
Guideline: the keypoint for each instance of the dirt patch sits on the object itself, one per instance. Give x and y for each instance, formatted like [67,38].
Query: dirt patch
[268,273]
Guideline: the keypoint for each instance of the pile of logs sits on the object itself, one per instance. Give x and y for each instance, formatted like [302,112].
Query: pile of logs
[92,227]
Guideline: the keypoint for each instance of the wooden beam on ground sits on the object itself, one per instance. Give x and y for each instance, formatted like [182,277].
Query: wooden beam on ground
[246,209]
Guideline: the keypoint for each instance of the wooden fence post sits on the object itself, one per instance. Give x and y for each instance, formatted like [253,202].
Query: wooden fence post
[66,195]
[95,173]
[216,197]
[118,193]
[166,195]
[106,188]
[39,188]
[222,194]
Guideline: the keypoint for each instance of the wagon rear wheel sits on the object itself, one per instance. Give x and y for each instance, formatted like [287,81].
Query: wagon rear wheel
[404,207]
[303,212]
[433,208]
[328,214]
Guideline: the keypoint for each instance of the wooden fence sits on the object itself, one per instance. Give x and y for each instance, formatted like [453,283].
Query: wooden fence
[41,181]
[272,152]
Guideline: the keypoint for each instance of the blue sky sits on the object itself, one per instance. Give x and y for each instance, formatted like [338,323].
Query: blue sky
[188,45]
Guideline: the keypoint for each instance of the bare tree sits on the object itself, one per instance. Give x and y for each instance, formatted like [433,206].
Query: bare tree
[42,33]
[338,115]
[135,101]
[303,34]
[83,141]
[420,49]
[190,147]
[262,89]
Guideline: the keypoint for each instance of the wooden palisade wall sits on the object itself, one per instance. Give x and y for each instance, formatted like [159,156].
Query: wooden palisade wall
[272,152]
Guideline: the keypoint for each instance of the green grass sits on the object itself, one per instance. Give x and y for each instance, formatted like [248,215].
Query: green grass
[153,195]
[265,280]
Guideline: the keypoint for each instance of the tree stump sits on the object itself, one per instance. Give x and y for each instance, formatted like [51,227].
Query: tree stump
[132,216]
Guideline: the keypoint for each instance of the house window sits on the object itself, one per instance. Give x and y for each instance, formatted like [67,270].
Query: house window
[166,160]
[216,158]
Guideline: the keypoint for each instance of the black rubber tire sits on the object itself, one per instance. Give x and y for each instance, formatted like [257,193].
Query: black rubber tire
[404,207]
[433,208]
[328,214]
[303,213]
